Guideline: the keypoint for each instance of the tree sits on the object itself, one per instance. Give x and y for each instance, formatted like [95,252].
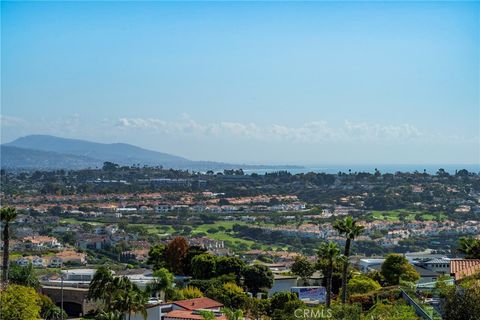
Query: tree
[7,216]
[24,276]
[470,247]
[362,284]
[189,292]
[232,315]
[163,280]
[187,261]
[118,294]
[396,268]
[397,311]
[102,286]
[328,253]
[204,266]
[134,301]
[19,303]
[109,166]
[175,253]
[231,295]
[257,278]
[349,228]
[230,265]
[302,268]
[109,315]
[463,301]
[49,311]
[156,256]
[279,301]
[207,314]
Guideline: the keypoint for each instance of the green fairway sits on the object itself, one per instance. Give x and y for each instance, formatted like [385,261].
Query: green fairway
[408,215]
[76,221]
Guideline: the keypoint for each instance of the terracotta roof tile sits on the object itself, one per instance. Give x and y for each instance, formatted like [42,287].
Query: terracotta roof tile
[185,314]
[198,303]
[461,268]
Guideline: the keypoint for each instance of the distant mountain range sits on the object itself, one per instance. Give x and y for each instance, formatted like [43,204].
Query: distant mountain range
[48,153]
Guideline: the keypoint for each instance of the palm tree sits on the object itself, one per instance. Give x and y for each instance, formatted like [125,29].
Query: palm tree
[329,252]
[349,228]
[102,286]
[110,315]
[7,215]
[232,315]
[134,301]
[126,297]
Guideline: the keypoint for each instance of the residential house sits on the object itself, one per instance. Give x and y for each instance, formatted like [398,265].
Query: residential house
[41,242]
[182,310]
[440,265]
[68,256]
[460,268]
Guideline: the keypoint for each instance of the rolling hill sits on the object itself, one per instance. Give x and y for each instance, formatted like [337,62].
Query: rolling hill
[50,152]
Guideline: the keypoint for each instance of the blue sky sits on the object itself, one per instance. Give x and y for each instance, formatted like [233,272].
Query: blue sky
[267,82]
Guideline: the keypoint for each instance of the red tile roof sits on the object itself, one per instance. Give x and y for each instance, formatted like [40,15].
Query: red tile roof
[198,303]
[186,314]
[461,268]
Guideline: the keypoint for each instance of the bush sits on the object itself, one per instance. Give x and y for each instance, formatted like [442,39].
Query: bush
[19,303]
[190,293]
[362,284]
[366,301]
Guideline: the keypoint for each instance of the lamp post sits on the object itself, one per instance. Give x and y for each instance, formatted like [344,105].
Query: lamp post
[61,301]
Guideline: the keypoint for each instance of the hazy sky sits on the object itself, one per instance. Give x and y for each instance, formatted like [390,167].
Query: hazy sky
[303,83]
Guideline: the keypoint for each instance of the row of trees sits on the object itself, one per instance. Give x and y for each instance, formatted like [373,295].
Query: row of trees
[330,260]
[179,258]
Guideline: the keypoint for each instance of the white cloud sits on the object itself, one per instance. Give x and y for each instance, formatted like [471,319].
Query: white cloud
[8,121]
[309,132]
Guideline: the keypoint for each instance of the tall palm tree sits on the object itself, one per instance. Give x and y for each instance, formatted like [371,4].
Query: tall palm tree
[329,252]
[347,227]
[128,298]
[102,286]
[7,216]
[118,294]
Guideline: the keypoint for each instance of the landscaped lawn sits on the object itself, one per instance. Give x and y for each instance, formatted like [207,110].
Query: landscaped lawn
[228,236]
[75,221]
[393,215]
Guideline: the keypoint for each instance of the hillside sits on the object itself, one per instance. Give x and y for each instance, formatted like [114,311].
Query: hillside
[21,158]
[44,151]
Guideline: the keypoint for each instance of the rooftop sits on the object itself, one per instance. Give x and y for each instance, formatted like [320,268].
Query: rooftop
[186,314]
[198,303]
[461,268]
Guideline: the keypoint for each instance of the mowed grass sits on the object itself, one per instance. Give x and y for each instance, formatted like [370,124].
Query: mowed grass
[394,215]
[223,235]
[226,235]
[75,221]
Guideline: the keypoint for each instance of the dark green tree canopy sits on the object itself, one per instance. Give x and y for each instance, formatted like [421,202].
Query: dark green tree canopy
[258,278]
[395,268]
[302,267]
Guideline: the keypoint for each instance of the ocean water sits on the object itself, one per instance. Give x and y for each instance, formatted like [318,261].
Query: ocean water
[431,169]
